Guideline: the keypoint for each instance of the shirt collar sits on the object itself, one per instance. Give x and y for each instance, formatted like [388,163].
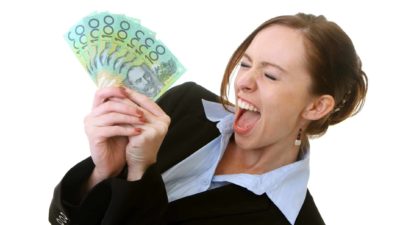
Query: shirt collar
[285,186]
[215,112]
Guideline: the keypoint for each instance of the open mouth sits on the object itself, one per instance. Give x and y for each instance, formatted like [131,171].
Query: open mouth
[246,118]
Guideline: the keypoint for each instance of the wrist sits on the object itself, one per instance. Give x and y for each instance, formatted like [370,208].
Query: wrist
[95,178]
[136,172]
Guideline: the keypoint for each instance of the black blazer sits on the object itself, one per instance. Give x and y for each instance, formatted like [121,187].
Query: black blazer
[118,201]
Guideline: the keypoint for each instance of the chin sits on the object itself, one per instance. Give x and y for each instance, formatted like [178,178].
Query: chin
[243,142]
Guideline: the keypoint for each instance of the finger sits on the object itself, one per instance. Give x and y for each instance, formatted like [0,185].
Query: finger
[118,107]
[144,102]
[122,100]
[138,109]
[111,119]
[104,94]
[113,131]
[147,114]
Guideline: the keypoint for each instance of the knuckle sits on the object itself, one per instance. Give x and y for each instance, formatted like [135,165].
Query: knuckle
[128,108]
[86,119]
[100,94]
[87,124]
[163,129]
[97,141]
[108,105]
[167,119]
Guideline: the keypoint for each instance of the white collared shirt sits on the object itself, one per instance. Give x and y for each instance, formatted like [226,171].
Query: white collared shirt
[285,186]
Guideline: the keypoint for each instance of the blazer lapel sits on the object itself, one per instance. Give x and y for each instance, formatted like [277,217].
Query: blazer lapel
[189,131]
[186,135]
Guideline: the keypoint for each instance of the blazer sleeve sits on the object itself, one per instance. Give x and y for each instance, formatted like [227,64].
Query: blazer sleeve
[114,200]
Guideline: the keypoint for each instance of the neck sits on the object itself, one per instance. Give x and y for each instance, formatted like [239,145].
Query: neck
[256,161]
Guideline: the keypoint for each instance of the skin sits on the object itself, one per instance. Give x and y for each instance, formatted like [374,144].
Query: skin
[125,127]
[273,78]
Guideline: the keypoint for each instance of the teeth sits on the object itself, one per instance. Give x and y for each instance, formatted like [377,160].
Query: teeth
[246,106]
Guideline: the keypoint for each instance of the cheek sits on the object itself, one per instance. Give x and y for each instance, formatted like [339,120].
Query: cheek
[294,97]
[277,126]
[282,111]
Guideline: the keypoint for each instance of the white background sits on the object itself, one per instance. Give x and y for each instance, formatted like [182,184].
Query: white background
[45,94]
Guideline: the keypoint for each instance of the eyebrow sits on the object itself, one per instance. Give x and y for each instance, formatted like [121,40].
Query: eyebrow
[264,64]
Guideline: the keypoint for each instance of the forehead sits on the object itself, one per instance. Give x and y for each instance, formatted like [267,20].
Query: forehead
[280,45]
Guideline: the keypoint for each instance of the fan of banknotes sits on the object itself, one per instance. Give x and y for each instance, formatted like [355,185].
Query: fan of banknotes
[117,50]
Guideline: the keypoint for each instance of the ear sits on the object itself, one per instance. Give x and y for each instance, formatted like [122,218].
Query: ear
[319,107]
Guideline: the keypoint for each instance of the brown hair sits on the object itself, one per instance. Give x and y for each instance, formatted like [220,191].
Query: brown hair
[332,62]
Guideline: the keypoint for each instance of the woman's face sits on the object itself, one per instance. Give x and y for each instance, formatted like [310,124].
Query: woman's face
[272,89]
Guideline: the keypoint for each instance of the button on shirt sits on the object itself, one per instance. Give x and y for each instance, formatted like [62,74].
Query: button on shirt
[285,186]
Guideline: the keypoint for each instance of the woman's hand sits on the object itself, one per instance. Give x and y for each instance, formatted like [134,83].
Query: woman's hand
[142,148]
[108,127]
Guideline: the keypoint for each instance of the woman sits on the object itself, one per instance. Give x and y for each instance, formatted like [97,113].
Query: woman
[190,160]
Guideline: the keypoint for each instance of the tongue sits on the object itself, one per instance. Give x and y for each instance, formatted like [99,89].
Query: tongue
[247,120]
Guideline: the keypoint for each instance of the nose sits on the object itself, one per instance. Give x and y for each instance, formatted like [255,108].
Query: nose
[246,82]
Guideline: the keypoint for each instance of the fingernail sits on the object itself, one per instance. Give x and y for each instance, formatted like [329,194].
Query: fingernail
[139,113]
[142,119]
[123,90]
[137,130]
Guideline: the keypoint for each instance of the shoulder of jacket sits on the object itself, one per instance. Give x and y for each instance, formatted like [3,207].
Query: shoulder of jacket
[185,97]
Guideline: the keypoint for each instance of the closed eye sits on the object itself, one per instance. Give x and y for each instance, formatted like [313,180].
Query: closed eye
[244,65]
[269,76]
